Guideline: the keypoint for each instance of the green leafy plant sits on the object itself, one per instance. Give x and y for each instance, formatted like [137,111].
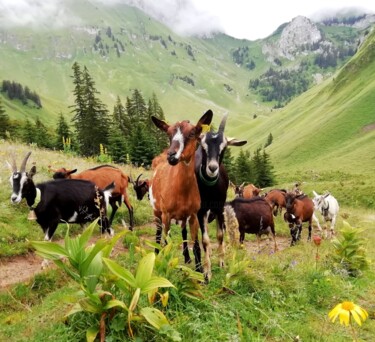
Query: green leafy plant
[350,252]
[85,265]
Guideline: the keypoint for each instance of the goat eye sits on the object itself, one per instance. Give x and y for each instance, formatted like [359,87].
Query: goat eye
[192,134]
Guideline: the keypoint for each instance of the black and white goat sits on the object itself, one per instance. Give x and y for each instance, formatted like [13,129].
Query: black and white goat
[213,182]
[65,200]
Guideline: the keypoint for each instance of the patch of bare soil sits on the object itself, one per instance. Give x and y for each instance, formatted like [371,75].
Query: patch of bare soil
[21,268]
[369,128]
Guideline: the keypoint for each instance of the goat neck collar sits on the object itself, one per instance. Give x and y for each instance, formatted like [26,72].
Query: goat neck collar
[207,180]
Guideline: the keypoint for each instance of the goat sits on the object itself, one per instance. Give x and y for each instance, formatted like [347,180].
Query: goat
[141,187]
[64,200]
[276,198]
[299,209]
[252,216]
[329,208]
[213,183]
[174,192]
[101,176]
[248,191]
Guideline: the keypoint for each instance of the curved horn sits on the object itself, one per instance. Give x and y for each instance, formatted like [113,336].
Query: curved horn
[23,165]
[14,166]
[136,181]
[222,123]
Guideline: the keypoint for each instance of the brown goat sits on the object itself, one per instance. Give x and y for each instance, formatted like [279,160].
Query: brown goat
[276,198]
[102,176]
[299,209]
[248,191]
[174,192]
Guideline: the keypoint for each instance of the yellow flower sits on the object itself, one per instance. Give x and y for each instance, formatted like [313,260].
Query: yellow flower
[347,310]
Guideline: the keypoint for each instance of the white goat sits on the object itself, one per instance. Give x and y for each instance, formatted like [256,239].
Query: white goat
[329,208]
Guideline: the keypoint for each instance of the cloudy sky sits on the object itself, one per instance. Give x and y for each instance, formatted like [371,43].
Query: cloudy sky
[237,18]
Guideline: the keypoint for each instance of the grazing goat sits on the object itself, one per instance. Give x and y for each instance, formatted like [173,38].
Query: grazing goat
[252,216]
[329,208]
[276,198]
[213,183]
[248,191]
[299,209]
[141,187]
[62,200]
[102,176]
[174,192]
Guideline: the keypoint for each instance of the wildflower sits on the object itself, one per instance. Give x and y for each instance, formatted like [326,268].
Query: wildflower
[347,310]
[317,240]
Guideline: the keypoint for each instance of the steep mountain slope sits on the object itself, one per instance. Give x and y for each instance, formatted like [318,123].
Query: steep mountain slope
[330,127]
[124,49]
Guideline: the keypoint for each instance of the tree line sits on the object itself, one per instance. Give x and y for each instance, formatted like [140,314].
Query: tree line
[16,90]
[127,135]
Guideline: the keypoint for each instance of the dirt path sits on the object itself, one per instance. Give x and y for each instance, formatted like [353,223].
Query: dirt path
[21,268]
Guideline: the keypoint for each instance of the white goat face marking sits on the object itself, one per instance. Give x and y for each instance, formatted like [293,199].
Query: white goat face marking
[17,186]
[180,139]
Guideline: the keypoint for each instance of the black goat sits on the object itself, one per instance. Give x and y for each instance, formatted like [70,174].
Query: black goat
[213,183]
[252,216]
[65,200]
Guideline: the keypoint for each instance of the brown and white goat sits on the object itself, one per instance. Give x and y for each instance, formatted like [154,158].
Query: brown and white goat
[174,192]
[102,176]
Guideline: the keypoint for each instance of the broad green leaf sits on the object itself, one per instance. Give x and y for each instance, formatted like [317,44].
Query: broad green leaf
[155,317]
[108,249]
[121,272]
[50,250]
[91,334]
[115,303]
[135,299]
[144,269]
[90,306]
[63,266]
[154,283]
[87,233]
[76,308]
[84,266]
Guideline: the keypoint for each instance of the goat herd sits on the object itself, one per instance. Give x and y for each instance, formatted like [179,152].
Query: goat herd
[189,185]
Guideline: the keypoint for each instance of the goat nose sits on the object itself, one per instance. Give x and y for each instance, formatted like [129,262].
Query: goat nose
[212,168]
[13,198]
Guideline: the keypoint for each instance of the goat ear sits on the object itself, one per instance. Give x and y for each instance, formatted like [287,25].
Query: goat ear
[235,142]
[162,125]
[71,171]
[32,172]
[206,118]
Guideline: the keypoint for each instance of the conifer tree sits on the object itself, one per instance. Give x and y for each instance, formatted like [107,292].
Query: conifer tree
[42,137]
[4,122]
[28,132]
[154,109]
[228,162]
[120,119]
[62,132]
[91,115]
[264,173]
[243,168]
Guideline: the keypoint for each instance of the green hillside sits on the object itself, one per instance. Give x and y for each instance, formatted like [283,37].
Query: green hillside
[327,128]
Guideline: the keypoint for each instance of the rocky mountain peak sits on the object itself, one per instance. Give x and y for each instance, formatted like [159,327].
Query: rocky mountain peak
[301,31]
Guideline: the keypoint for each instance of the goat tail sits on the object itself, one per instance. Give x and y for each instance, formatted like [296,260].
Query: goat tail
[231,224]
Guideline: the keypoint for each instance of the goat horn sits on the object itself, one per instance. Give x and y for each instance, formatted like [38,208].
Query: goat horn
[23,165]
[14,166]
[136,181]
[222,123]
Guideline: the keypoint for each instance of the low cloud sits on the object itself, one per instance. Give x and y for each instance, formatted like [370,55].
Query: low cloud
[36,13]
[181,16]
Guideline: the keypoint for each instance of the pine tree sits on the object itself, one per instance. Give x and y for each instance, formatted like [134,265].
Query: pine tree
[269,140]
[243,168]
[91,115]
[62,132]
[137,108]
[264,173]
[228,162]
[42,137]
[117,145]
[4,122]
[142,146]
[120,119]
[154,109]
[28,132]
